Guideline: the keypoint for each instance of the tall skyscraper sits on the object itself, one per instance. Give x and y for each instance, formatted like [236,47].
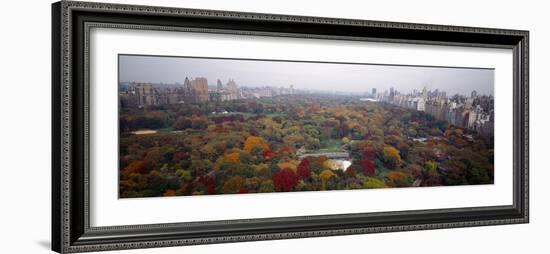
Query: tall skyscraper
[219,85]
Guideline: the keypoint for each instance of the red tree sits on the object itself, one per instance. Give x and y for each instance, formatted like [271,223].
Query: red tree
[303,169]
[368,167]
[268,154]
[285,180]
[209,184]
[136,167]
[368,161]
[368,153]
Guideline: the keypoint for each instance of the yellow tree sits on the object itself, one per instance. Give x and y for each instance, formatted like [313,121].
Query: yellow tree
[233,157]
[325,177]
[290,164]
[253,141]
[430,167]
[331,164]
[391,157]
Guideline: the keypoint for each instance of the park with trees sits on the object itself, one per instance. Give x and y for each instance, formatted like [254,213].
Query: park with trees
[285,144]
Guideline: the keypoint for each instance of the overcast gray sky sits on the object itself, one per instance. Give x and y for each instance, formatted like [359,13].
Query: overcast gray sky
[305,75]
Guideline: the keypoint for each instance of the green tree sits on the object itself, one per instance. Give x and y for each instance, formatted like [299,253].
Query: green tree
[373,183]
[233,185]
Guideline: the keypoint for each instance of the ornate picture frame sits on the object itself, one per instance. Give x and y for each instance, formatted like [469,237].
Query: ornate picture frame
[71,228]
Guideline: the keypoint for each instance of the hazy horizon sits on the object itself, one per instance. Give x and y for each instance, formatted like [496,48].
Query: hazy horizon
[330,77]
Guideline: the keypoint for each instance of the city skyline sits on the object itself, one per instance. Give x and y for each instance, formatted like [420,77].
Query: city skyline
[350,77]
[242,127]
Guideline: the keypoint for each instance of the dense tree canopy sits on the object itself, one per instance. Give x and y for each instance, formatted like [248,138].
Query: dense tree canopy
[293,143]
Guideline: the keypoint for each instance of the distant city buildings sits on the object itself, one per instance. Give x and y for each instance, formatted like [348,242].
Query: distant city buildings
[224,93]
[138,95]
[194,91]
[474,112]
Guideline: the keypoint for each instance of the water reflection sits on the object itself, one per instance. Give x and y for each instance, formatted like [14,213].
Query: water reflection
[343,164]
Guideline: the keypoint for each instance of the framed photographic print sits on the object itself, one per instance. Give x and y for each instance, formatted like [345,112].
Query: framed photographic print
[181,126]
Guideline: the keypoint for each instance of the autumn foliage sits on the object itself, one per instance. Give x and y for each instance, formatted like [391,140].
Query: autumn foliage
[367,161]
[233,185]
[285,180]
[391,157]
[326,175]
[207,183]
[308,142]
[368,167]
[136,167]
[254,141]
[303,170]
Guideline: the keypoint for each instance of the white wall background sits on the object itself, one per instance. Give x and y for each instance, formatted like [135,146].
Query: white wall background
[25,125]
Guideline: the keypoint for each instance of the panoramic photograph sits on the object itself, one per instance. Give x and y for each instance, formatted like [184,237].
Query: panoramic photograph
[208,126]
